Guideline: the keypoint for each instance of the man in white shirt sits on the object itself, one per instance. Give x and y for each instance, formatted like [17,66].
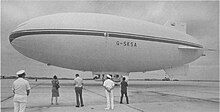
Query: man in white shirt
[109,86]
[21,90]
[78,90]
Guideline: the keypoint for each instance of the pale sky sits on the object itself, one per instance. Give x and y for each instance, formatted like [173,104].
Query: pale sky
[202,20]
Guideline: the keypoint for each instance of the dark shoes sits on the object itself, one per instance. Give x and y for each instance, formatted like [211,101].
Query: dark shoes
[122,103]
[78,105]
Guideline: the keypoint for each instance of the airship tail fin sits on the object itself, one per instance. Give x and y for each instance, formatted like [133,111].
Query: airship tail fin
[176,25]
[177,71]
[209,50]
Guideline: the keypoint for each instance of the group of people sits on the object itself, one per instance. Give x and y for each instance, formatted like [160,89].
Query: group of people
[78,82]
[109,86]
[21,90]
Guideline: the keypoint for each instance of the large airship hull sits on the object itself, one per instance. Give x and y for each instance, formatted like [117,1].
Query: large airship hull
[103,43]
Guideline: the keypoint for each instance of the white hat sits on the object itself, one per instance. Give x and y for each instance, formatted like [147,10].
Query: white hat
[20,72]
[108,76]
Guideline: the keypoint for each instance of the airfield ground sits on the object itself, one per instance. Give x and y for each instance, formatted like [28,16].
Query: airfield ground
[144,96]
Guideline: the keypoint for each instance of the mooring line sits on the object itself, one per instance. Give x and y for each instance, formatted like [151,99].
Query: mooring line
[163,94]
[13,94]
[114,100]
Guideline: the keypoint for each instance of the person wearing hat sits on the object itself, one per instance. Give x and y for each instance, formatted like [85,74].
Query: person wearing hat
[109,86]
[21,90]
[124,85]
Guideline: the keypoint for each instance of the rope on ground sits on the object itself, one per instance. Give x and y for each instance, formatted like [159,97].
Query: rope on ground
[13,94]
[114,100]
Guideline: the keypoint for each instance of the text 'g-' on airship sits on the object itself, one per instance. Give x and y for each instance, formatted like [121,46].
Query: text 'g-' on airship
[104,43]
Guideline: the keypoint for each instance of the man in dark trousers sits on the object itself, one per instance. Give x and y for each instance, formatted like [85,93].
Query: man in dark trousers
[78,89]
[124,85]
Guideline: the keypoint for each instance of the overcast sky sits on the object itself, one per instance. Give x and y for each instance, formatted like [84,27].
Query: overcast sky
[202,20]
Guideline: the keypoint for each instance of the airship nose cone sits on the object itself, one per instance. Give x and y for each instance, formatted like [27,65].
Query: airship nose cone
[12,36]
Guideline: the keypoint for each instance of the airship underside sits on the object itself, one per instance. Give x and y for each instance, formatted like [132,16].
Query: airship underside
[104,43]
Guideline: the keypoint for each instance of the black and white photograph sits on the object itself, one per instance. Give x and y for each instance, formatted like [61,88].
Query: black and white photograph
[116,56]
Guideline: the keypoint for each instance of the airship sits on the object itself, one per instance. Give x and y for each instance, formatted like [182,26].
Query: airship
[106,44]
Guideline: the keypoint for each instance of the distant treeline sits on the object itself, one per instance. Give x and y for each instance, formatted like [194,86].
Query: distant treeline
[43,78]
[164,79]
[49,78]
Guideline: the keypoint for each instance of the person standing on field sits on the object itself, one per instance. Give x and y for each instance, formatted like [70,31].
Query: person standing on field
[55,89]
[21,90]
[124,86]
[78,82]
[109,86]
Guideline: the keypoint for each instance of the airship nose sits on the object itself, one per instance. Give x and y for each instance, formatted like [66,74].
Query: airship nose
[13,36]
[17,32]
[17,41]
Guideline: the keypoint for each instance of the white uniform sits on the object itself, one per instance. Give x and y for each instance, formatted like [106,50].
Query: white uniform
[20,87]
[109,95]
